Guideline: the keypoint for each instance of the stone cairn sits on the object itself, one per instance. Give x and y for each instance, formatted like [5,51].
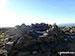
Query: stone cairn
[33,40]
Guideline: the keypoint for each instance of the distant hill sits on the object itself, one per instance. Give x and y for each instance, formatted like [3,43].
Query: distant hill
[5,28]
[68,24]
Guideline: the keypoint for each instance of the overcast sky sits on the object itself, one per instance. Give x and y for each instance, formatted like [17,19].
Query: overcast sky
[16,12]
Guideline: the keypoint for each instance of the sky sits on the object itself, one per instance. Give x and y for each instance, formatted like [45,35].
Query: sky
[16,12]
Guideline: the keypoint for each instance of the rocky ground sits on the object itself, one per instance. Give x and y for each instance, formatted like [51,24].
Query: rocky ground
[36,40]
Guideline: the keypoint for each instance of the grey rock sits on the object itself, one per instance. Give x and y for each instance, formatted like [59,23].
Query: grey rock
[9,45]
[23,53]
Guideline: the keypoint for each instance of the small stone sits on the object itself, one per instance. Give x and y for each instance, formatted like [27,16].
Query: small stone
[34,52]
